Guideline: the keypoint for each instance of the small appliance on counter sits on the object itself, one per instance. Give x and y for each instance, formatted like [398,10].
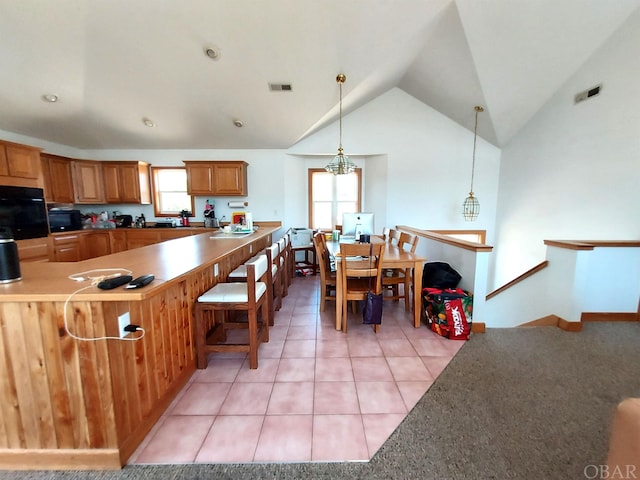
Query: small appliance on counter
[9,258]
[123,221]
[210,220]
[64,220]
[184,218]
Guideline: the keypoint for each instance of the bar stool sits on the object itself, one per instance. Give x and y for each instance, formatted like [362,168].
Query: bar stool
[250,297]
[284,246]
[239,274]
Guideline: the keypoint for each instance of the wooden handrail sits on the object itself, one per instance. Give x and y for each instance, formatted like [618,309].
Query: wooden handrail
[591,244]
[510,284]
[473,246]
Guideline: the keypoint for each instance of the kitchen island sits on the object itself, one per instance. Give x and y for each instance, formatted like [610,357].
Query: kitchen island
[87,404]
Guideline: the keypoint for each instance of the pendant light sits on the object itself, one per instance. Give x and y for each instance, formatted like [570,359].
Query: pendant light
[340,165]
[471,206]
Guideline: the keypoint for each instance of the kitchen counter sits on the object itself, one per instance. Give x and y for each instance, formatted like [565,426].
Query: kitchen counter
[67,403]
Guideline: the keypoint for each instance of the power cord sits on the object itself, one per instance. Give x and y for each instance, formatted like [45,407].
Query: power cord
[95,279]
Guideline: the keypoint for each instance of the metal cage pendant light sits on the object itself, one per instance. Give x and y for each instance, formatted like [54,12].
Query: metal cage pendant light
[471,206]
[340,165]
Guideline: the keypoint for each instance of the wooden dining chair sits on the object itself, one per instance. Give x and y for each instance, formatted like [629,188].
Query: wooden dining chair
[361,272]
[212,319]
[390,235]
[327,276]
[392,278]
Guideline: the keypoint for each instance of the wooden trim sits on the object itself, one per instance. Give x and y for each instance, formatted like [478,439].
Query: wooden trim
[482,234]
[591,244]
[528,273]
[554,321]
[464,244]
[569,326]
[60,459]
[609,317]
[479,327]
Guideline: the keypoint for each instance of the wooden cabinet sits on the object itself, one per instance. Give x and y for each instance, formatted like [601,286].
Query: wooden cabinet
[20,165]
[34,249]
[94,244]
[58,178]
[126,182]
[66,248]
[118,240]
[221,178]
[140,237]
[171,233]
[88,184]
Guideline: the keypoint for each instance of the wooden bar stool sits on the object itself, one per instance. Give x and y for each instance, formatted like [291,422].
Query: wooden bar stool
[250,297]
[239,274]
[284,247]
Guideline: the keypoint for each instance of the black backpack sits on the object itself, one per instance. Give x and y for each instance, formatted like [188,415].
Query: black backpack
[439,275]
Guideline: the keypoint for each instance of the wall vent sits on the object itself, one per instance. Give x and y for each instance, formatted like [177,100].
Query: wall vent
[280,87]
[592,92]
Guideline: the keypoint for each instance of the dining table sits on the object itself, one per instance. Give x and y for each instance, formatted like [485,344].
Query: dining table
[394,257]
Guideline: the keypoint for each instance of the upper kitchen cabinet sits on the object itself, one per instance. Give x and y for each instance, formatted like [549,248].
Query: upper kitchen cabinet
[20,165]
[88,184]
[126,182]
[58,178]
[221,178]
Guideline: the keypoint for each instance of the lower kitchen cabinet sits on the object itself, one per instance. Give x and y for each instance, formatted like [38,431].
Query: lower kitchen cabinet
[142,237]
[34,249]
[118,240]
[66,248]
[95,244]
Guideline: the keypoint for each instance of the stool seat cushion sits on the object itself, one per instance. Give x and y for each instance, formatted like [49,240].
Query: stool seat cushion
[234,292]
[241,271]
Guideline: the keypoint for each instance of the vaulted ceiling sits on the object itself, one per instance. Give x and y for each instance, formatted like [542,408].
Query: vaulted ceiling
[113,63]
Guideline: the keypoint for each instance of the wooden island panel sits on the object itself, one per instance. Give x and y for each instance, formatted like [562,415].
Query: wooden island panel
[70,404]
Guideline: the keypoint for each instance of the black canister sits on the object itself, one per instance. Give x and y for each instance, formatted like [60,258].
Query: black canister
[9,259]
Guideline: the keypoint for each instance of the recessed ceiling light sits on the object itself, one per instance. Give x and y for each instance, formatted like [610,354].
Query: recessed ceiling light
[148,122]
[212,52]
[50,97]
[238,123]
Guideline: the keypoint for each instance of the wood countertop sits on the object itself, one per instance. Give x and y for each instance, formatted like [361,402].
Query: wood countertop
[168,261]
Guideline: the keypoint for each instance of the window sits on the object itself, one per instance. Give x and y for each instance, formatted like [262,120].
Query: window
[170,191]
[332,195]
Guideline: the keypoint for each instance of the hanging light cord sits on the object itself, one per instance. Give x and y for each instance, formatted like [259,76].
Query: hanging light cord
[340,79]
[475,136]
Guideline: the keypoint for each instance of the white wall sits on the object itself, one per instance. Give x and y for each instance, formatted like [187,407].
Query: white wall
[573,172]
[417,160]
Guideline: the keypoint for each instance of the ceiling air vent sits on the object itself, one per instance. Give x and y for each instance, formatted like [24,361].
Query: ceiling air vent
[592,92]
[280,87]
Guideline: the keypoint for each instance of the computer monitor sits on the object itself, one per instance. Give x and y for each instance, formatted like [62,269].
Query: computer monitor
[355,224]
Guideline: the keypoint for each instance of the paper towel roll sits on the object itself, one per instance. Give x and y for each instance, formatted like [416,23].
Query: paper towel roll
[238,204]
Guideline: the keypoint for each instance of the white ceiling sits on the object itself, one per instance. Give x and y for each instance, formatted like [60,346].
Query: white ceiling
[113,62]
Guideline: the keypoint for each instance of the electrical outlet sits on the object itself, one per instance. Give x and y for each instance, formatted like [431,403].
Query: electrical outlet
[123,321]
[215,270]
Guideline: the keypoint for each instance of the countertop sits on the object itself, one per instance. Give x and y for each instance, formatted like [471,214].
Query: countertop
[167,261]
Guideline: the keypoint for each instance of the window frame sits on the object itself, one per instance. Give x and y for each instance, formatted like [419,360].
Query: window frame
[310,173]
[156,194]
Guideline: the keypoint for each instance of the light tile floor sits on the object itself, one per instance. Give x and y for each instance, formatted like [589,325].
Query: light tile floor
[318,394]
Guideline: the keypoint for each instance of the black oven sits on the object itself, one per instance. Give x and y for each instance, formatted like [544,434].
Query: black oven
[23,210]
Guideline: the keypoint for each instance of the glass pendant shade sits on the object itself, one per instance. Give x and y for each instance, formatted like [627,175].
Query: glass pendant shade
[470,208]
[340,165]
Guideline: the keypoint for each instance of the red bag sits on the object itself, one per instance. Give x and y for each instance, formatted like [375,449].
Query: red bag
[456,320]
[449,312]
